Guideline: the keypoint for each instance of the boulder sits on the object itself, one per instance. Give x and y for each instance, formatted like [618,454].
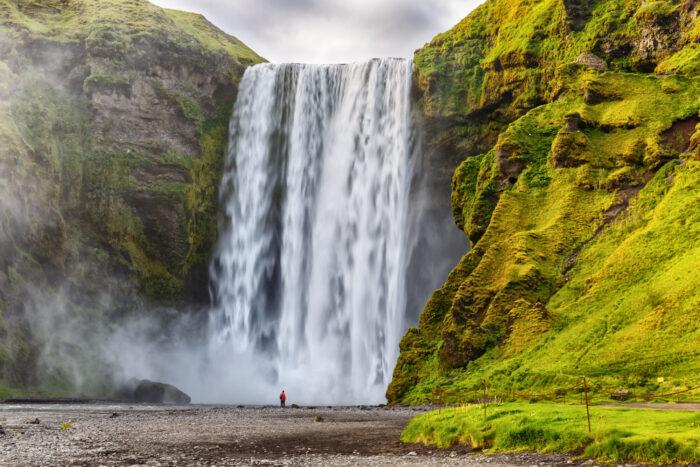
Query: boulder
[592,61]
[152,392]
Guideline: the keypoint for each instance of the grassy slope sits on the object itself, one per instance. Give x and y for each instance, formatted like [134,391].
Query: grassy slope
[89,19]
[211,37]
[618,434]
[564,277]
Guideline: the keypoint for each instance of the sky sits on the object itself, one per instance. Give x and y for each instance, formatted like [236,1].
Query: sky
[330,31]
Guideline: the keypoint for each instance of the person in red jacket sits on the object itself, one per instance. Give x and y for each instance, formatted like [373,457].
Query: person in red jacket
[283,398]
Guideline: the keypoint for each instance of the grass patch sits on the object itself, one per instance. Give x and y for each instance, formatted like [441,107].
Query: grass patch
[618,434]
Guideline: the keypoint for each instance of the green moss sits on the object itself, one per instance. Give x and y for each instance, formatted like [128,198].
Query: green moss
[686,62]
[190,109]
[624,176]
[200,195]
[159,282]
[101,79]
[111,28]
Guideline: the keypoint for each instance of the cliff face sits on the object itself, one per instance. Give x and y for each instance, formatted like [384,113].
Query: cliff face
[113,122]
[579,191]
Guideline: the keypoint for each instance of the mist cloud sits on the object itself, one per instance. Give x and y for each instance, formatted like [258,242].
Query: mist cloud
[330,31]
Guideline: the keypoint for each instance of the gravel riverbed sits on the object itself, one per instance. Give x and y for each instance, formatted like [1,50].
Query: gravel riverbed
[109,435]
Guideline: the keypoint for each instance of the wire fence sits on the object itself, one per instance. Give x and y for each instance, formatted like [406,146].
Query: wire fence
[440,396]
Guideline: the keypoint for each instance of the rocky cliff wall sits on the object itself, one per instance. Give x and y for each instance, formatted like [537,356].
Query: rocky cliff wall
[114,122]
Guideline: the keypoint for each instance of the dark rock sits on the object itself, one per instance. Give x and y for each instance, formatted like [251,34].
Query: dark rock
[572,121]
[146,391]
[577,12]
[592,61]
[679,136]
[660,31]
[319,419]
[591,97]
[33,422]
[509,163]
[294,406]
[114,415]
[2,430]
[153,392]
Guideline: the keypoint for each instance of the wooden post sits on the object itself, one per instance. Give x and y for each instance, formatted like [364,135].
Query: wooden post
[484,398]
[439,400]
[588,413]
[432,399]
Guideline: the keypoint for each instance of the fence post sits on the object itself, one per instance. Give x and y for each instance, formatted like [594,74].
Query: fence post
[484,398]
[588,413]
[432,399]
[439,400]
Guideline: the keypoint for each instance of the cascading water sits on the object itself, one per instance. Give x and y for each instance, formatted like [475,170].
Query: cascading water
[309,276]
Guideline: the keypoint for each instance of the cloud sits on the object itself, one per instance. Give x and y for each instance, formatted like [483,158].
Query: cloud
[330,31]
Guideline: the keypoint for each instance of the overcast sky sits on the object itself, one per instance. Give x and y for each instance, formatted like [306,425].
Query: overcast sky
[330,31]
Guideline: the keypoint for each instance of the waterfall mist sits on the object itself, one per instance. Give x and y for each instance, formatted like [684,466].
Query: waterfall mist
[310,271]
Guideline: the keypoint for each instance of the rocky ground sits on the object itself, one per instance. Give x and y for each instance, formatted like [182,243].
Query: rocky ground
[87,434]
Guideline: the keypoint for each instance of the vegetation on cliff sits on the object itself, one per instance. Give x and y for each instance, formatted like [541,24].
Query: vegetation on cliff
[580,193]
[113,123]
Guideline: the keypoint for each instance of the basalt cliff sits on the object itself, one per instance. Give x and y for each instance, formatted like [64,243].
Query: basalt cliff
[113,123]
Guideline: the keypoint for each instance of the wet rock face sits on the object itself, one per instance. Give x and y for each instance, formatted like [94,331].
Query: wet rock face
[155,113]
[137,111]
[145,95]
[509,164]
[661,32]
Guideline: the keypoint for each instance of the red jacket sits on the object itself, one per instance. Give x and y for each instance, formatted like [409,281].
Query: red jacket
[283,397]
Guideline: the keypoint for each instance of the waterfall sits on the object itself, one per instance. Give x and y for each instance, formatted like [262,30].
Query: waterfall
[309,274]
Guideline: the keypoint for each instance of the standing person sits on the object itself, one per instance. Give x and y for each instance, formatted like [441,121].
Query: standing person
[283,398]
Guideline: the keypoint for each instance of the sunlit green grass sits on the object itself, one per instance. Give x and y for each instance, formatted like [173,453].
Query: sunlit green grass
[617,434]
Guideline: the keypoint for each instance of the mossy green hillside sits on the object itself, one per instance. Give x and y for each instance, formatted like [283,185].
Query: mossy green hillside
[574,213]
[617,435]
[505,56]
[113,28]
[212,37]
